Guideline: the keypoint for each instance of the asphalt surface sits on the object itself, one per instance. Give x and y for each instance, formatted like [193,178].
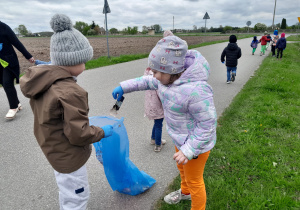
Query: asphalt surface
[26,178]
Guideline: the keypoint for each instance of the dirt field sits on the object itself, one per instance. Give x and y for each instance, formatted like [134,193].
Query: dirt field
[40,47]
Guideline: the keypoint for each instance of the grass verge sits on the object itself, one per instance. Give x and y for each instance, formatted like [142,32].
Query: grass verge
[105,61]
[293,38]
[255,163]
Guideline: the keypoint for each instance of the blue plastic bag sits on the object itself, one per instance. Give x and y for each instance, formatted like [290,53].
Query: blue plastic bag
[113,152]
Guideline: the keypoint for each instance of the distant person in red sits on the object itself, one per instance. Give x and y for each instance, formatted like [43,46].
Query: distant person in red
[263,42]
[10,68]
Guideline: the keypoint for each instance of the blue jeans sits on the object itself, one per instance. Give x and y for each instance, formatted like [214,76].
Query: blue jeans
[157,130]
[229,69]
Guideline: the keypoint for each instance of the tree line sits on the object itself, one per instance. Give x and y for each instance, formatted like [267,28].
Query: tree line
[94,29]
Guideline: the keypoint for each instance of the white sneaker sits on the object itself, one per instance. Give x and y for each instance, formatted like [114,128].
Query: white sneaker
[228,82]
[163,141]
[12,112]
[176,197]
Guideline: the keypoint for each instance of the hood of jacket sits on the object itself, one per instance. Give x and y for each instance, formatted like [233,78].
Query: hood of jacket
[39,79]
[197,68]
[232,46]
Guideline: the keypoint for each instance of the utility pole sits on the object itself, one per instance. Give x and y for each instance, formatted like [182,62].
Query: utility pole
[173,25]
[274,15]
[106,10]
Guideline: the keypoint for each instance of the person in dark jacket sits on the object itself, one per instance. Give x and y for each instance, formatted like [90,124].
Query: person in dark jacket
[10,68]
[232,53]
[281,45]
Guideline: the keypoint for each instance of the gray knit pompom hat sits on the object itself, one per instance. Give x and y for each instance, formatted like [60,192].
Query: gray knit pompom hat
[68,47]
[168,56]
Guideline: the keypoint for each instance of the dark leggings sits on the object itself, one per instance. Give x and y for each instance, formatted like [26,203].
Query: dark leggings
[273,50]
[279,51]
[8,79]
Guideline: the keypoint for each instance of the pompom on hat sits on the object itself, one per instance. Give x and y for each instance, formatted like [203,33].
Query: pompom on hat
[168,56]
[168,33]
[68,47]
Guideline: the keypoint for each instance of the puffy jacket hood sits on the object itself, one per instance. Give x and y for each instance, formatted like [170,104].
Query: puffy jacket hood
[232,46]
[196,68]
[38,79]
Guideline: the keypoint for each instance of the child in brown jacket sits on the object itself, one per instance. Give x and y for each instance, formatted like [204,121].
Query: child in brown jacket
[60,108]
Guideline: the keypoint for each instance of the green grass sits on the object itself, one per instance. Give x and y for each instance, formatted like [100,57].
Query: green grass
[105,61]
[255,163]
[293,38]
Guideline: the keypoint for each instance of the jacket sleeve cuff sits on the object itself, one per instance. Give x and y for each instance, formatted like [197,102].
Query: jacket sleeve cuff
[187,151]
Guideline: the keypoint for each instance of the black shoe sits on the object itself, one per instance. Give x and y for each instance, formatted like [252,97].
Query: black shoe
[232,77]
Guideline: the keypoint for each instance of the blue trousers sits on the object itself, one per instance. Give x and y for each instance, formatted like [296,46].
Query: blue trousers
[229,69]
[157,130]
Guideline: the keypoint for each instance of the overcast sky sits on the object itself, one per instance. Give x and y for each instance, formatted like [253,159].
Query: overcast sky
[36,14]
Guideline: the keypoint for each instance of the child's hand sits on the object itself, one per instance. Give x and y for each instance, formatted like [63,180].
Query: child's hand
[108,130]
[118,93]
[179,157]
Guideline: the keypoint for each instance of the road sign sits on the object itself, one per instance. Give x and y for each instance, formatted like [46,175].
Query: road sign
[206,16]
[299,19]
[106,8]
[248,23]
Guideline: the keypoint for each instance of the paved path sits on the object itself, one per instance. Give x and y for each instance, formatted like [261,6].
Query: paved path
[26,178]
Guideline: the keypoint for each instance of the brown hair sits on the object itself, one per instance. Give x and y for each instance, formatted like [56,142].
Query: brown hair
[174,77]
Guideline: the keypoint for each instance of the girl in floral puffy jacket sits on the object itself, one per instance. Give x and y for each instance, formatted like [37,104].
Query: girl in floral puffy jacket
[180,77]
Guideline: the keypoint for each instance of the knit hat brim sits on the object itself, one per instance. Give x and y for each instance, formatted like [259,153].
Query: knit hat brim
[71,58]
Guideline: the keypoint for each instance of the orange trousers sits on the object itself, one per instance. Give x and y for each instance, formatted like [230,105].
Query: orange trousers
[192,180]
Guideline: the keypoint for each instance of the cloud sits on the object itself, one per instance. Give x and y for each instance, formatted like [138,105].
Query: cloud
[36,14]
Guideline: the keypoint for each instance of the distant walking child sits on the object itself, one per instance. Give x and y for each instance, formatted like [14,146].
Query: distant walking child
[254,44]
[60,109]
[232,53]
[269,40]
[180,77]
[281,45]
[263,43]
